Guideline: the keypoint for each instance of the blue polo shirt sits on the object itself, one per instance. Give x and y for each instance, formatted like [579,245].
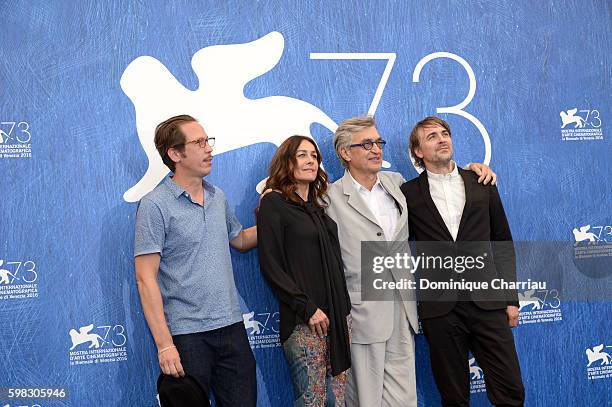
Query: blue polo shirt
[195,271]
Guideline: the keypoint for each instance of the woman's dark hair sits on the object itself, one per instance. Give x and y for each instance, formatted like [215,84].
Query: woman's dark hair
[280,173]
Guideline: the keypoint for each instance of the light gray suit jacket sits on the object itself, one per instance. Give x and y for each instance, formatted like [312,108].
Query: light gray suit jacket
[372,320]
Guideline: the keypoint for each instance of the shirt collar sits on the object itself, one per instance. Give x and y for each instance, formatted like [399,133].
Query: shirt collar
[454,174]
[177,190]
[360,187]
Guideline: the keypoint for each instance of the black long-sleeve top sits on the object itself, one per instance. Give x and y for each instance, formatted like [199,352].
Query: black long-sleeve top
[299,255]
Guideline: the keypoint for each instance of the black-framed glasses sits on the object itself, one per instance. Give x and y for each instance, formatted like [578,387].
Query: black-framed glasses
[202,142]
[368,145]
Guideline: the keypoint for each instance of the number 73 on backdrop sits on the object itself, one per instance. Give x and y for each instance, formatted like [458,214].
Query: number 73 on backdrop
[222,72]
[390,57]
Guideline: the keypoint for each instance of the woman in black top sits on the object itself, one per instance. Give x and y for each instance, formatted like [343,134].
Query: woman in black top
[299,255]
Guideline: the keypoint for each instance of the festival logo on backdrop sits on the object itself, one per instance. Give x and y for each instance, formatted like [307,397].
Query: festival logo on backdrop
[477,383]
[218,103]
[599,362]
[583,234]
[18,280]
[592,234]
[236,121]
[578,125]
[15,139]
[90,344]
[262,329]
[593,250]
[539,306]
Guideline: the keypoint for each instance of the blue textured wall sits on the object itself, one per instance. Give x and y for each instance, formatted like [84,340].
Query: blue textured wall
[66,231]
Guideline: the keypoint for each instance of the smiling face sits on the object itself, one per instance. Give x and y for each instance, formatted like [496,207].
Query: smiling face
[435,146]
[193,161]
[360,160]
[306,163]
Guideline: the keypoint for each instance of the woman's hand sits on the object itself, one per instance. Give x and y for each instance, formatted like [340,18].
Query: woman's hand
[319,323]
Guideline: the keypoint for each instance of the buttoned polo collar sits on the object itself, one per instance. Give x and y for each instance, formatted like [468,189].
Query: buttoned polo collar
[177,190]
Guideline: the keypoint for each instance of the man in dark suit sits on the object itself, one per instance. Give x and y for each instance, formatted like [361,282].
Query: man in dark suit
[446,204]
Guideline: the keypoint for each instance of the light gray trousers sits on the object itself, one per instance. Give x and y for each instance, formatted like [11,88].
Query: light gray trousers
[383,373]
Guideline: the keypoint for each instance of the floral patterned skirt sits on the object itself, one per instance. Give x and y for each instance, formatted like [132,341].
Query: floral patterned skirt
[309,363]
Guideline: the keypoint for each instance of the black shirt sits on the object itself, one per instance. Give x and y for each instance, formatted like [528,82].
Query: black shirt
[299,255]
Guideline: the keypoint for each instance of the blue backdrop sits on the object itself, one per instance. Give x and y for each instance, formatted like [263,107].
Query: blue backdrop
[524,85]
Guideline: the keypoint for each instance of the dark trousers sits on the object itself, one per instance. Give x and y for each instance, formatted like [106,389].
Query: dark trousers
[222,361]
[487,334]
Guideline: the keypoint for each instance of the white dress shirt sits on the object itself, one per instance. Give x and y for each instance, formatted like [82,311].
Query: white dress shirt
[448,193]
[382,205]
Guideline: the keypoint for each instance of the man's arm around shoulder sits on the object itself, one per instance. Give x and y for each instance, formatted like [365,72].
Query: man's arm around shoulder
[395,177]
[246,239]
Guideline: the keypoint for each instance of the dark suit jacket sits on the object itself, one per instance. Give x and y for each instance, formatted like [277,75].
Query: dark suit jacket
[483,221]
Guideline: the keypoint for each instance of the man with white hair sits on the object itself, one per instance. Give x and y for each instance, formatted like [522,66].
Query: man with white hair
[367,205]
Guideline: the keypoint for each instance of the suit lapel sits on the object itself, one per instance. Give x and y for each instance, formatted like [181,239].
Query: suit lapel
[354,198]
[424,185]
[467,182]
[400,200]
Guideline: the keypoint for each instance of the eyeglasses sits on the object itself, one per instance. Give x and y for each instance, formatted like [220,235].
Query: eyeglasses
[368,145]
[202,142]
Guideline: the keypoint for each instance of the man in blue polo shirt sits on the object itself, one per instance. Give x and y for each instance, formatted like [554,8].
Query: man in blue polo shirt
[184,272]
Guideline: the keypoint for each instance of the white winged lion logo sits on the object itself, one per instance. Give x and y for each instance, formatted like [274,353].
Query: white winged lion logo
[597,354]
[570,117]
[83,335]
[251,323]
[529,298]
[219,102]
[582,234]
[475,370]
